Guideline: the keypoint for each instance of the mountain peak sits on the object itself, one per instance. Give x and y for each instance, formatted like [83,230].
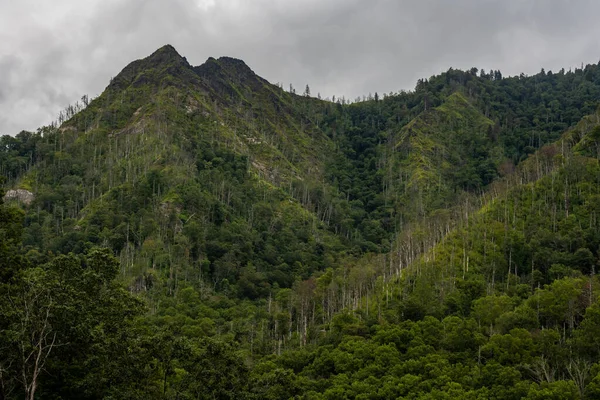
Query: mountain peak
[165,54]
[235,63]
[166,58]
[167,48]
[227,69]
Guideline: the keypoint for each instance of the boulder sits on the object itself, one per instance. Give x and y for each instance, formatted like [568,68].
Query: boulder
[20,195]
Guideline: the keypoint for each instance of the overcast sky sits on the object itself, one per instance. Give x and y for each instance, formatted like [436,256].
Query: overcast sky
[53,52]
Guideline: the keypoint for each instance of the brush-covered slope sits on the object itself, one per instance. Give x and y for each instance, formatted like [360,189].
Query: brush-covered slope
[211,169]
[186,173]
[506,306]
[537,225]
[222,97]
[374,169]
[396,172]
[440,153]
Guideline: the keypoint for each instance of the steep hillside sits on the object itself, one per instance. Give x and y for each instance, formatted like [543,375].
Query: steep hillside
[527,112]
[198,231]
[505,306]
[186,172]
[441,152]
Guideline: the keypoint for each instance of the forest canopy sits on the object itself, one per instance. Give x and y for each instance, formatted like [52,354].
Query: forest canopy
[196,232]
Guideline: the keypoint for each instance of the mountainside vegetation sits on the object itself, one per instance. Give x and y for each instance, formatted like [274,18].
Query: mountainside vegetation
[197,232]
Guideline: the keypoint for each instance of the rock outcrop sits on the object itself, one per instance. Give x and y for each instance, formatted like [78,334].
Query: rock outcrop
[20,195]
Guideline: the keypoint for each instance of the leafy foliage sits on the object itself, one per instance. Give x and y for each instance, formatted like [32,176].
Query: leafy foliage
[200,233]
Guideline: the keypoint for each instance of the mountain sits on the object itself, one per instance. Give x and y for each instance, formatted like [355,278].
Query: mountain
[197,231]
[178,157]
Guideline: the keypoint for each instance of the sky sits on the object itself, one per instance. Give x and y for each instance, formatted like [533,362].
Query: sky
[53,52]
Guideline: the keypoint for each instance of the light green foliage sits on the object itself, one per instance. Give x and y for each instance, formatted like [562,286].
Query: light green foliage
[442,150]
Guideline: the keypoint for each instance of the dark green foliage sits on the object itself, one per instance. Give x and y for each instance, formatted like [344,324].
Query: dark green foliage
[197,232]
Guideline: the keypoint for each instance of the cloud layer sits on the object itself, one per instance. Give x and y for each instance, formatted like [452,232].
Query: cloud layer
[51,53]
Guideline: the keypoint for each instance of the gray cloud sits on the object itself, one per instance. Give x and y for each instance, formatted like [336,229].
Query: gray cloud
[51,53]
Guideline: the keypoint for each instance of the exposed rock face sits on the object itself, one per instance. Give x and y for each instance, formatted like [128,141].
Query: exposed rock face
[20,195]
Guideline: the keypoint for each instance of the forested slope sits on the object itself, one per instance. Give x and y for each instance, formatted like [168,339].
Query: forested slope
[504,307]
[196,232]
